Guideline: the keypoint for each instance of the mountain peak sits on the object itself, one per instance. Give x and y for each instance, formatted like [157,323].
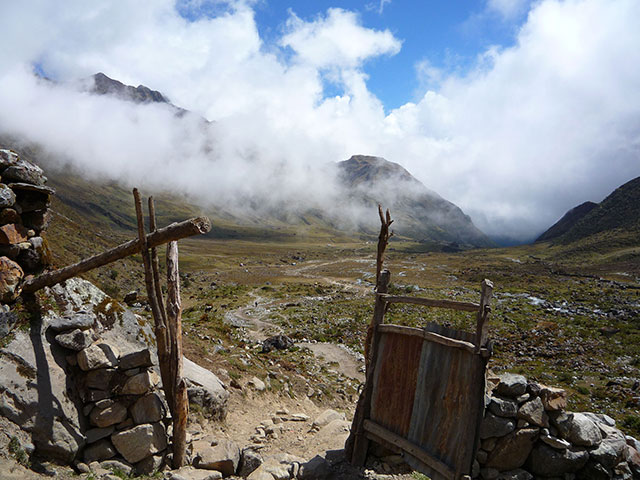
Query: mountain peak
[361,169]
[104,85]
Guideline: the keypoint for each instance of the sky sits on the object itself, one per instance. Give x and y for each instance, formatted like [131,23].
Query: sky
[516,111]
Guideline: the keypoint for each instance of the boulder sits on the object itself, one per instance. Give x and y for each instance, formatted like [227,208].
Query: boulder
[141,383]
[612,449]
[578,429]
[277,342]
[553,399]
[223,457]
[503,407]
[257,384]
[250,460]
[76,339]
[73,321]
[141,358]
[205,389]
[25,172]
[533,412]
[326,417]
[9,215]
[7,197]
[141,441]
[111,415]
[7,320]
[549,462]
[94,434]
[148,409]
[98,355]
[190,473]
[8,158]
[512,451]
[10,277]
[99,379]
[316,468]
[101,450]
[149,465]
[511,385]
[114,465]
[494,426]
[12,234]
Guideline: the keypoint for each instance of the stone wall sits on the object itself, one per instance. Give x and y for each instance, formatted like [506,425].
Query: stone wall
[527,433]
[24,215]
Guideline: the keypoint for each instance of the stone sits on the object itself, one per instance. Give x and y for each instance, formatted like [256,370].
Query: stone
[512,451]
[249,461]
[578,429]
[517,474]
[546,461]
[141,441]
[149,465]
[205,389]
[494,426]
[10,251]
[533,412]
[148,409]
[26,173]
[7,197]
[100,378]
[16,186]
[325,418]
[299,417]
[600,418]
[80,320]
[257,384]
[489,473]
[13,234]
[316,468]
[482,456]
[7,320]
[9,215]
[8,158]
[511,385]
[107,402]
[191,473]
[29,259]
[141,358]
[553,399]
[94,434]
[105,417]
[60,441]
[93,395]
[223,457]
[10,277]
[503,407]
[131,297]
[611,450]
[140,384]
[37,219]
[277,342]
[117,465]
[98,451]
[555,442]
[76,339]
[98,355]
[277,467]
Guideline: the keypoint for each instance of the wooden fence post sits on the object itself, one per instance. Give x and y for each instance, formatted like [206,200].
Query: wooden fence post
[482,326]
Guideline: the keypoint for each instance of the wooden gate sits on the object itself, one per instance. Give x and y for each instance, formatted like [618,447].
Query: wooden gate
[424,391]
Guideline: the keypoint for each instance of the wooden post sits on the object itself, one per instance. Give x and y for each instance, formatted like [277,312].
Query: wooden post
[154,262]
[162,338]
[358,444]
[383,240]
[174,316]
[482,326]
[175,231]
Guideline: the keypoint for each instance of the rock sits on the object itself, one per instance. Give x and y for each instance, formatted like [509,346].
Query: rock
[511,385]
[117,465]
[9,215]
[611,450]
[257,384]
[12,234]
[140,384]
[98,355]
[101,450]
[10,251]
[80,320]
[137,359]
[148,409]
[249,461]
[578,429]
[223,457]
[76,339]
[494,426]
[277,342]
[548,462]
[512,451]
[25,172]
[503,407]
[533,412]
[8,158]
[489,473]
[10,277]
[517,474]
[131,297]
[190,473]
[298,417]
[95,434]
[599,418]
[316,468]
[205,389]
[7,197]
[555,442]
[37,219]
[7,320]
[100,378]
[105,417]
[29,259]
[149,465]
[326,417]
[553,399]
[277,467]
[141,441]
[59,441]
[32,188]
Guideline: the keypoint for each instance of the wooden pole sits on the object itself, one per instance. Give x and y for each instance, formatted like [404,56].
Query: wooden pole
[175,231]
[482,325]
[162,337]
[154,262]
[358,444]
[174,316]
[383,240]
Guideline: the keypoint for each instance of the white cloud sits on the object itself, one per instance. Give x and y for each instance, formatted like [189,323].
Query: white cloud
[508,9]
[534,130]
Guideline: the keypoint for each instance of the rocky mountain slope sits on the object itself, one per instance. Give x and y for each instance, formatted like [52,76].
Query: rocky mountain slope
[567,221]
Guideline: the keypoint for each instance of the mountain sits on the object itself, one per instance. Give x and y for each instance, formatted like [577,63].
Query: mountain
[103,85]
[565,224]
[619,212]
[420,213]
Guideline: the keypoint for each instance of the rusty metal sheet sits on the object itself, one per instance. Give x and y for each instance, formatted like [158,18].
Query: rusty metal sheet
[394,384]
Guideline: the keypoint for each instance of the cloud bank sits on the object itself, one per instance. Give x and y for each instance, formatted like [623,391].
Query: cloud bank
[529,132]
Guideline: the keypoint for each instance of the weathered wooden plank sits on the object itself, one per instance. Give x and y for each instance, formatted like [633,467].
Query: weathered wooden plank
[482,326]
[430,336]
[428,302]
[395,381]
[414,450]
